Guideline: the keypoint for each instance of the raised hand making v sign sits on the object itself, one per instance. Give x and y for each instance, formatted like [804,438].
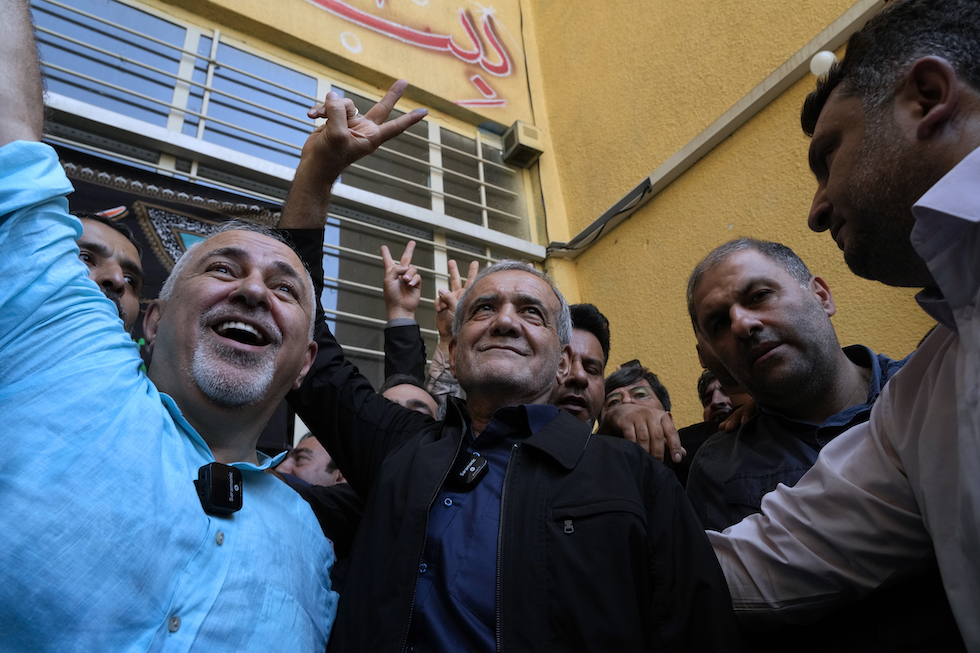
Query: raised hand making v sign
[345,137]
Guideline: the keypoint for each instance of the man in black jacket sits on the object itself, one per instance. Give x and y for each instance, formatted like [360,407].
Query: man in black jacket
[567,541]
[508,526]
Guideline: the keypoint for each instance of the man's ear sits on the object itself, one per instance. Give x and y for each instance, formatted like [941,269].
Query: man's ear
[452,356]
[708,358]
[821,291]
[565,363]
[311,350]
[151,322]
[701,350]
[929,96]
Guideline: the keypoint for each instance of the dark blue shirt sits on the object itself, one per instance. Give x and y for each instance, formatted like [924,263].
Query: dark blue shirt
[732,472]
[455,597]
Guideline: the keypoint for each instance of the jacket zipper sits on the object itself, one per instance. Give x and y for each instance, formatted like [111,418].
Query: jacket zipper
[500,539]
[428,507]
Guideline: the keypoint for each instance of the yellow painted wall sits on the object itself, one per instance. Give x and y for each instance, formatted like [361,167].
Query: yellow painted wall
[626,83]
[617,88]
[621,89]
[756,183]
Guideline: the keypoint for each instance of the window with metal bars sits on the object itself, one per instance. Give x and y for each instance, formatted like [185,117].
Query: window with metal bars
[129,62]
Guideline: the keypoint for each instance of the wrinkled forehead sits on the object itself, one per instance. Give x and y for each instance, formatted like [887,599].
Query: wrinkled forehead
[252,247]
[248,249]
[748,261]
[514,284]
[255,245]
[732,274]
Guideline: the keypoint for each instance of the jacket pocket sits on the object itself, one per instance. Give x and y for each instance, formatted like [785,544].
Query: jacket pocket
[615,510]
[597,574]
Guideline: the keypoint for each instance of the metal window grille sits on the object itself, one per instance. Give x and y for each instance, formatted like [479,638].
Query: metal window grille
[126,59]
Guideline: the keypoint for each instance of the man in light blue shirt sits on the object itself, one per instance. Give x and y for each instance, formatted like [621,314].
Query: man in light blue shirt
[105,543]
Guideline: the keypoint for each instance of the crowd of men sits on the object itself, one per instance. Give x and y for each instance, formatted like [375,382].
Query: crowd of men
[828,501]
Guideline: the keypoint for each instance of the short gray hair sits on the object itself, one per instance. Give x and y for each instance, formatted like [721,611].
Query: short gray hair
[238,225]
[563,321]
[776,252]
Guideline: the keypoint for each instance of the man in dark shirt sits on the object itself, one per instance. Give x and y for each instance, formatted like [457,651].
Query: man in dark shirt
[767,320]
[717,405]
[561,526]
[635,405]
[635,398]
[550,538]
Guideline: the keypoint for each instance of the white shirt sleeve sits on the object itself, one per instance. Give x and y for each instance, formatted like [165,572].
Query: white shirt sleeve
[851,524]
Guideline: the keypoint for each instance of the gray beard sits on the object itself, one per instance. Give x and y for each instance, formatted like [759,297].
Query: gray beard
[248,387]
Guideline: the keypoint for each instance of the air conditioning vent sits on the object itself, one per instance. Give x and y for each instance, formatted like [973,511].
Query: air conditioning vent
[522,144]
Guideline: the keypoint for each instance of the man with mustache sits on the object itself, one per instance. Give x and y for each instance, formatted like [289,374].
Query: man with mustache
[579,391]
[508,525]
[112,256]
[484,518]
[717,405]
[582,388]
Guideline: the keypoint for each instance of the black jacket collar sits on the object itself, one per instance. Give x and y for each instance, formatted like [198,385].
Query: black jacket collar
[564,438]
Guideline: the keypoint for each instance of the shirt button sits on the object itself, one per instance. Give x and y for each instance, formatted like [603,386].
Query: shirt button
[174,624]
[219,538]
[448,502]
[422,568]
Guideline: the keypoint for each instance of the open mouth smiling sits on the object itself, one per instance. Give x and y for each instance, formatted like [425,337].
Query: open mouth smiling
[246,334]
